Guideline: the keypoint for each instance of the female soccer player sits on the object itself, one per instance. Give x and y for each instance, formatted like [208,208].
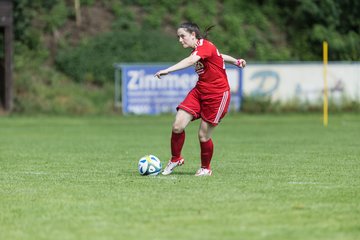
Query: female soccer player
[208,100]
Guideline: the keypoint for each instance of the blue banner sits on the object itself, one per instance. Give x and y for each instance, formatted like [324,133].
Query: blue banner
[142,93]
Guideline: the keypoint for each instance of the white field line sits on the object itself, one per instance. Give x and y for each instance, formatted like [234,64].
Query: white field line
[303,183]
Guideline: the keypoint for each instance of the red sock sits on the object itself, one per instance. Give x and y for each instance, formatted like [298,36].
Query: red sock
[207,149]
[177,143]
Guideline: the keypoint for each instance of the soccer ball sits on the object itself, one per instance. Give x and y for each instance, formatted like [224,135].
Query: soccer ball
[149,165]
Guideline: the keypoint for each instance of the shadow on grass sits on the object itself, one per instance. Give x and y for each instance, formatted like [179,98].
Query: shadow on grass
[175,173]
[184,173]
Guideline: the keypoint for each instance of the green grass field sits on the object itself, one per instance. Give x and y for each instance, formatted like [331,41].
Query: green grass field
[274,177]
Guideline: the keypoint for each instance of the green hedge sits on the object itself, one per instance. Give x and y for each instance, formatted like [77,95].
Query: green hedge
[94,60]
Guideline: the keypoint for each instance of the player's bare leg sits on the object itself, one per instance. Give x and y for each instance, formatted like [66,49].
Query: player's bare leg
[182,119]
[205,131]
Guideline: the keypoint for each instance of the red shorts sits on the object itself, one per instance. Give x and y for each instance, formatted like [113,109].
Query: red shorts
[211,107]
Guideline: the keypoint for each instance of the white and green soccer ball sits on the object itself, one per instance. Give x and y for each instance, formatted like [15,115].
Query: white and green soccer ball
[149,165]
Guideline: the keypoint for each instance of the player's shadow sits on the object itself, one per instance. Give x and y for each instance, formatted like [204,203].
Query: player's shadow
[184,173]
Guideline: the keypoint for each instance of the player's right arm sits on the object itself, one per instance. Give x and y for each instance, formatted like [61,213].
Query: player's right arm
[186,62]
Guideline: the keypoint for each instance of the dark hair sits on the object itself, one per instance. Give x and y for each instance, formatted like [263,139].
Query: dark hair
[193,27]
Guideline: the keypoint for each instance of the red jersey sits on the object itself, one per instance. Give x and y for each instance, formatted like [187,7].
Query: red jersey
[210,68]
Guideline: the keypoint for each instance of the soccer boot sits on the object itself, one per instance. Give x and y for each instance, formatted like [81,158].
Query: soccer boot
[203,172]
[172,165]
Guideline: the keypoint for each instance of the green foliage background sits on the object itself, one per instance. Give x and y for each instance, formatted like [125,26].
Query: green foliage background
[145,31]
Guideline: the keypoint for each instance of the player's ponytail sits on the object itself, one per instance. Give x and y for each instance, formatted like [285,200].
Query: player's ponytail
[193,27]
[207,30]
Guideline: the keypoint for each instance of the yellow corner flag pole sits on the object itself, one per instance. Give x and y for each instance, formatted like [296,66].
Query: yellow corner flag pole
[325,58]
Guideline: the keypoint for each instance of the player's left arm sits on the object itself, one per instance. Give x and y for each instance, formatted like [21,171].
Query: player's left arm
[186,62]
[237,62]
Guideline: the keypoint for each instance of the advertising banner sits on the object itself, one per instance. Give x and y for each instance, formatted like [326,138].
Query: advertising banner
[302,81]
[142,93]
